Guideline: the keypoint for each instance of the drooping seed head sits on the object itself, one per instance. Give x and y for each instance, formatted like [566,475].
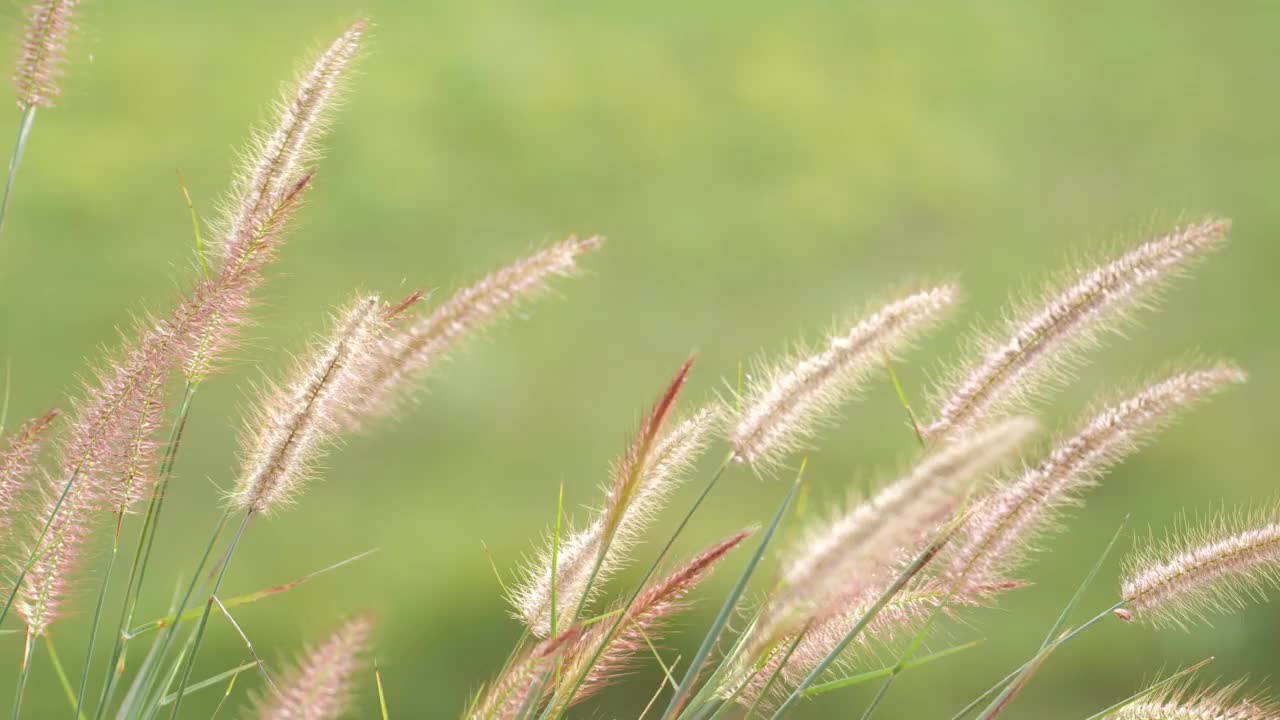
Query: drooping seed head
[294,423]
[1046,338]
[42,53]
[278,160]
[1212,567]
[1004,528]
[786,404]
[413,350]
[320,686]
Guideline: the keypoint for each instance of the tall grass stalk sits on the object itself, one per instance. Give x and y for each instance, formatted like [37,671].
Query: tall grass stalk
[142,553]
[731,602]
[19,148]
[208,608]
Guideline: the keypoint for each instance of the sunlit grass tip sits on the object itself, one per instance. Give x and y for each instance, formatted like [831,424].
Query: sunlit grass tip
[1042,339]
[785,403]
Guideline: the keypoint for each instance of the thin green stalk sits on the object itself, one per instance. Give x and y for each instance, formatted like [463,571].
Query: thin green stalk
[144,682]
[903,578]
[97,615]
[24,671]
[648,573]
[1022,674]
[262,668]
[239,600]
[773,677]
[61,672]
[208,607]
[144,671]
[731,602]
[207,682]
[19,147]
[142,553]
[1061,622]
[225,695]
[886,671]
[555,557]
[382,697]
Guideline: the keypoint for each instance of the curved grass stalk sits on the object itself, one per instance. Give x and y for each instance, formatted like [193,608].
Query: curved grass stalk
[204,617]
[731,602]
[19,147]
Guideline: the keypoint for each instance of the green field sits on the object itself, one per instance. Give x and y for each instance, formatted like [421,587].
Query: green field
[760,170]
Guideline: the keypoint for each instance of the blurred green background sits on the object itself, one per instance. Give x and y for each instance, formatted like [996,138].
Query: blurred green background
[760,169]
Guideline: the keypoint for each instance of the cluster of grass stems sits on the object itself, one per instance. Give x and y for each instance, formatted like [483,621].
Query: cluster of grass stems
[953,532]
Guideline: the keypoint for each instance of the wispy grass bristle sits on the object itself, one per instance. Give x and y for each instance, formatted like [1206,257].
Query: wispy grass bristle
[787,402]
[654,465]
[1006,525]
[414,349]
[1215,566]
[1044,339]
[293,423]
[42,53]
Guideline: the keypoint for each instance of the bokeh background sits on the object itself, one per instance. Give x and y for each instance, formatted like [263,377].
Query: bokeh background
[761,169]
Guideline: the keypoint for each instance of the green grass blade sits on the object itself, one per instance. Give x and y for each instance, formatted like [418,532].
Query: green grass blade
[58,670]
[555,557]
[195,227]
[886,671]
[731,602]
[204,618]
[1057,626]
[207,682]
[247,598]
[382,696]
[19,147]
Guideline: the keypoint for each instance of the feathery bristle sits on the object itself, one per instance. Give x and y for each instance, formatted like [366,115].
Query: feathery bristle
[785,406]
[1004,528]
[220,304]
[275,164]
[41,597]
[862,549]
[17,462]
[1217,566]
[42,53]
[413,350]
[520,686]
[645,619]
[1044,339]
[1181,702]
[641,482]
[294,423]
[321,685]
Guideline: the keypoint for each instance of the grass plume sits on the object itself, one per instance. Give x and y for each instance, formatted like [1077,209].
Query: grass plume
[785,406]
[1045,337]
